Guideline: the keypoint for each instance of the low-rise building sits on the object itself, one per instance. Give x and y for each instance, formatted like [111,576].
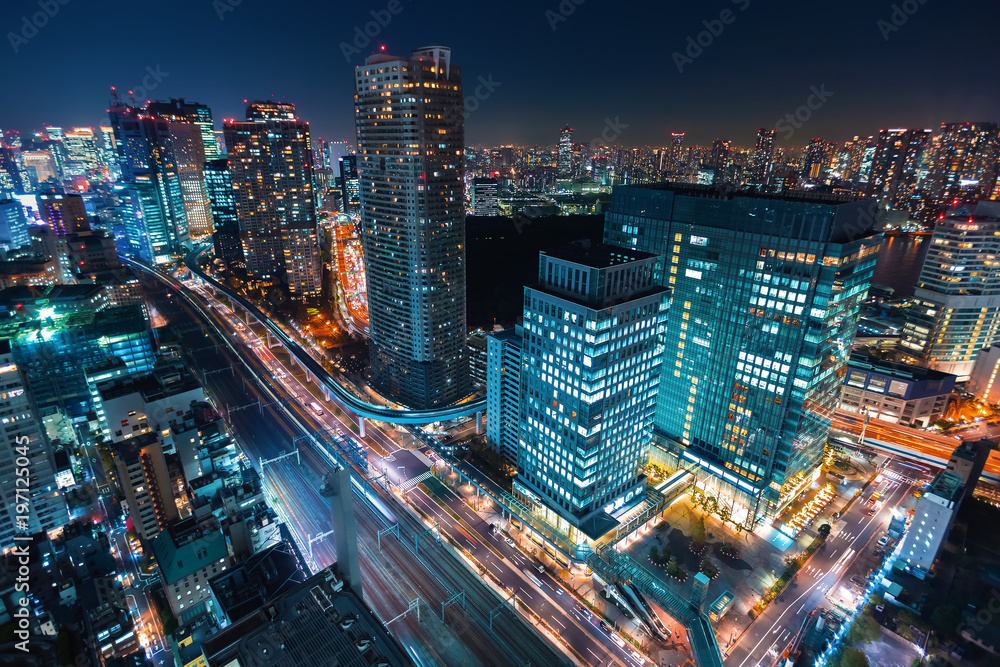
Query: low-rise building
[893,392]
[189,553]
[931,523]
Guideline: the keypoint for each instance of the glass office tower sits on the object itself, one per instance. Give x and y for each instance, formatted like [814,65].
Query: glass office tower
[765,299]
[590,362]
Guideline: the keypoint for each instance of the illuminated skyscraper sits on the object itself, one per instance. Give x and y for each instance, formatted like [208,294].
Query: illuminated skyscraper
[409,120]
[82,156]
[13,225]
[350,184]
[23,440]
[146,155]
[893,174]
[271,164]
[226,235]
[956,304]
[675,154]
[719,160]
[180,110]
[766,293]
[762,159]
[565,160]
[590,368]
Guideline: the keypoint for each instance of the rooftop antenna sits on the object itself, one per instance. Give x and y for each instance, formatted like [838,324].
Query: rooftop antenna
[114,96]
[131,97]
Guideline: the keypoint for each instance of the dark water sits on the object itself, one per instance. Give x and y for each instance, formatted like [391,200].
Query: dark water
[899,262]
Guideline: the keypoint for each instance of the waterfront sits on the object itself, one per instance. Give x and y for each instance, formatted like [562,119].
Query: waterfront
[899,262]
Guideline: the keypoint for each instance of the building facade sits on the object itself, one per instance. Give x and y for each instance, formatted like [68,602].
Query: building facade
[765,299]
[931,523]
[225,221]
[503,391]
[898,393]
[40,504]
[410,162]
[591,357]
[956,304]
[271,166]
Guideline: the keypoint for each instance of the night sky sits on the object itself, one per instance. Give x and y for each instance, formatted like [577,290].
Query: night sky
[605,60]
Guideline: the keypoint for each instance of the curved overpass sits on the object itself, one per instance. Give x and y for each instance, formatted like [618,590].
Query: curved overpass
[347,399]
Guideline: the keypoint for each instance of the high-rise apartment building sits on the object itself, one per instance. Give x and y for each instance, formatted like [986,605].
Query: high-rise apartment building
[350,184]
[590,354]
[762,158]
[765,299]
[564,166]
[956,303]
[271,165]
[892,177]
[964,163]
[226,224]
[145,481]
[503,391]
[41,504]
[409,120]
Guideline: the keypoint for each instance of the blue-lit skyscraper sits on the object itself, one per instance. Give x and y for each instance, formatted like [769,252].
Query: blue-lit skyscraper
[350,184]
[590,366]
[226,236]
[13,225]
[146,155]
[764,309]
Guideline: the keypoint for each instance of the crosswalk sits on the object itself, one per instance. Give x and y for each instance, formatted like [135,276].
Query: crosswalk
[410,483]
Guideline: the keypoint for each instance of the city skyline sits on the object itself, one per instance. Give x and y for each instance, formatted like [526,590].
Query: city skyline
[732,72]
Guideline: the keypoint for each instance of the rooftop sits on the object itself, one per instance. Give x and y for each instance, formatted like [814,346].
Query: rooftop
[946,486]
[597,255]
[318,622]
[186,547]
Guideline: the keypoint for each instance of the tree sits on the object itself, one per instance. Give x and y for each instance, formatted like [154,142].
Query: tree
[664,553]
[864,629]
[709,568]
[698,534]
[824,531]
[944,619]
[853,657]
[654,554]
